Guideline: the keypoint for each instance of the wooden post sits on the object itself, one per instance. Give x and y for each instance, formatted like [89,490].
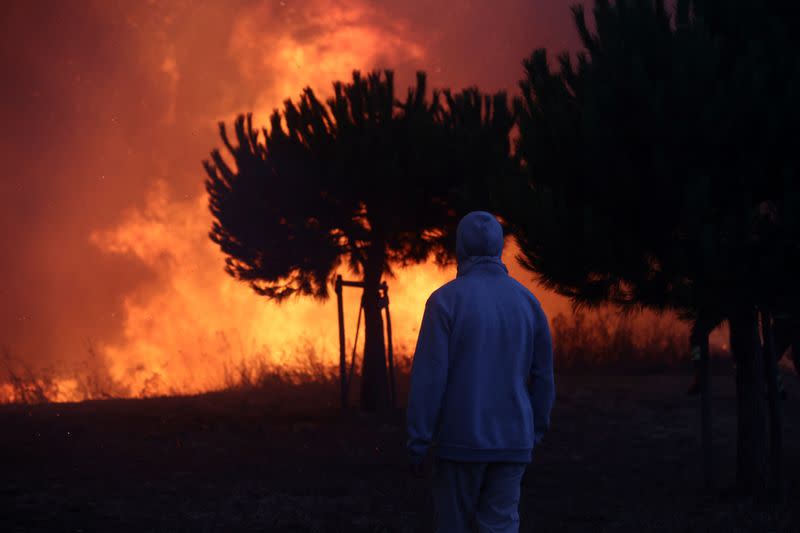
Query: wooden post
[342,364]
[389,341]
[343,380]
[705,411]
[751,412]
[774,403]
[698,340]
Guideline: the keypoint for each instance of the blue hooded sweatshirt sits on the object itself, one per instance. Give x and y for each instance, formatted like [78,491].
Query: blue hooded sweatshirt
[482,383]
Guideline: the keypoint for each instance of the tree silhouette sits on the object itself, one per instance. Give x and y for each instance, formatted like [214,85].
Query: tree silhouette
[645,165]
[365,179]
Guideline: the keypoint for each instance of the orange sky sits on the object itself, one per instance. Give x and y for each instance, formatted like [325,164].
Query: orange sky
[108,110]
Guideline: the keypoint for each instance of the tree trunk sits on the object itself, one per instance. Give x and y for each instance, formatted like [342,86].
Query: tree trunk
[751,449]
[774,402]
[699,338]
[374,383]
[736,352]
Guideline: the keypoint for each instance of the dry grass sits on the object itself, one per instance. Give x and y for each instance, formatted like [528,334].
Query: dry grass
[603,342]
[585,343]
[307,382]
[23,385]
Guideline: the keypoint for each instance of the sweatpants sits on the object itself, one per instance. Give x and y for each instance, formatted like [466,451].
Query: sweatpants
[476,497]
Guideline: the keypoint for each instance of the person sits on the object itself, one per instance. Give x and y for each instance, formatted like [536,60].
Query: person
[482,386]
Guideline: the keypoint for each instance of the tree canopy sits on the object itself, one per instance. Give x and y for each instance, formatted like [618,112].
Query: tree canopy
[647,160]
[329,182]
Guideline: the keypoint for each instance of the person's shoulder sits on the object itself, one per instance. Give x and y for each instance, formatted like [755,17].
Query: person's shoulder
[525,291]
[444,293]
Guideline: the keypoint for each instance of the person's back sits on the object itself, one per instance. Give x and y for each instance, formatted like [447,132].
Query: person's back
[481,383]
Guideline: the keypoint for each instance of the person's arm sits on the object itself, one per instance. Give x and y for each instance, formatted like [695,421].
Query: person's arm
[542,384]
[428,379]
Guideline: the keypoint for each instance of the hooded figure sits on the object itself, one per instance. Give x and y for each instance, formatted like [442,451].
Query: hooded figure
[482,384]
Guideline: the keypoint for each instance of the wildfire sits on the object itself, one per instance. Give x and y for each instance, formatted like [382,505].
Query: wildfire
[186,327]
[177,73]
[180,337]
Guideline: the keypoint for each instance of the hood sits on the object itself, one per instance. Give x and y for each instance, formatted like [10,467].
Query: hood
[479,239]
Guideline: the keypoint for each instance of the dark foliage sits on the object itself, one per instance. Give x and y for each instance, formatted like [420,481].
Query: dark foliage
[330,182]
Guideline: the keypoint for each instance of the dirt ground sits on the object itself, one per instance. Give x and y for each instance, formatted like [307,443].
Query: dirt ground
[622,455]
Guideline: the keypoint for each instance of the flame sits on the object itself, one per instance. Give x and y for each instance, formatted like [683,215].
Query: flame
[357,37]
[181,332]
[178,338]
[181,329]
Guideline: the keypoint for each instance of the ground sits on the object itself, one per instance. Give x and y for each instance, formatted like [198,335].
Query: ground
[622,455]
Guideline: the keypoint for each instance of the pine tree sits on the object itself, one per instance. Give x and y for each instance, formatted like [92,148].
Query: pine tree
[365,179]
